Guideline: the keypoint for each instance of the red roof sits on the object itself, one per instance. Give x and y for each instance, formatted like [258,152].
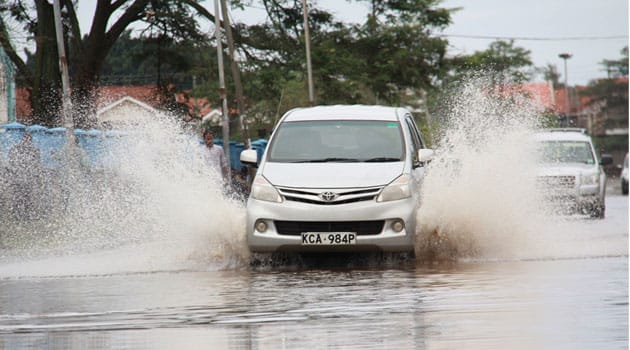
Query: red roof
[197,107]
[540,93]
[110,94]
[577,102]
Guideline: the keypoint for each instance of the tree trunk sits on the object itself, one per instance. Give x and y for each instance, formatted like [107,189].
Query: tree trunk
[46,93]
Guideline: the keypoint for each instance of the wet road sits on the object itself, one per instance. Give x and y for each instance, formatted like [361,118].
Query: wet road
[569,292]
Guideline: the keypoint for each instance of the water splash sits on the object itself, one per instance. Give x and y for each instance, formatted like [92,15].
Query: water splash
[152,203]
[479,197]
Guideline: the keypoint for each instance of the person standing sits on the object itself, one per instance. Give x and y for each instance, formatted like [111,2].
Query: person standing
[216,155]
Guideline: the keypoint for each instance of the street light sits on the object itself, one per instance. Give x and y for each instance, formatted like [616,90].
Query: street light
[565,57]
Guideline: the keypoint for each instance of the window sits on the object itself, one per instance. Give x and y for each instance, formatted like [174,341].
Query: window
[566,152]
[337,141]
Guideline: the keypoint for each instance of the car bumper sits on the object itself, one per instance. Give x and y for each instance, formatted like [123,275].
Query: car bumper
[386,241]
[574,199]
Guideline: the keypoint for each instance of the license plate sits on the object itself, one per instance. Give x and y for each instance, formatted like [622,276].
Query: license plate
[329,238]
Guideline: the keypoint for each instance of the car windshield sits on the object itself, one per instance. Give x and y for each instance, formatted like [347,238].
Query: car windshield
[337,141]
[625,162]
[566,152]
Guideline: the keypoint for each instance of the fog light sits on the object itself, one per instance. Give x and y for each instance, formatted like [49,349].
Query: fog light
[398,225]
[261,226]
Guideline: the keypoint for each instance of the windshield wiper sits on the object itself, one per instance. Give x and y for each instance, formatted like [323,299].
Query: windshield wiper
[382,159]
[326,160]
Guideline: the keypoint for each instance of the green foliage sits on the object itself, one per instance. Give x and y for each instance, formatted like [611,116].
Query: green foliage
[391,56]
[550,73]
[617,68]
[167,21]
[503,61]
[612,94]
[379,61]
[609,144]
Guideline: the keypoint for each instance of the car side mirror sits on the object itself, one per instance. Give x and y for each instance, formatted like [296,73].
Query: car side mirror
[425,155]
[606,159]
[249,157]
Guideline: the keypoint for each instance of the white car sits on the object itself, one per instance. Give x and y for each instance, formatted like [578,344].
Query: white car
[337,179]
[570,173]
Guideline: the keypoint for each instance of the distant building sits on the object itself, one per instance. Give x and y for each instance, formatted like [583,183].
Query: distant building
[118,105]
[124,113]
[7,89]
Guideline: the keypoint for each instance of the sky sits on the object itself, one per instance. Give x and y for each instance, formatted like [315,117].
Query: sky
[590,30]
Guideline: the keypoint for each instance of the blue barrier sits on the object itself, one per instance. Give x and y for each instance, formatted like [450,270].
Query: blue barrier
[13,133]
[40,140]
[260,146]
[91,145]
[53,147]
[100,147]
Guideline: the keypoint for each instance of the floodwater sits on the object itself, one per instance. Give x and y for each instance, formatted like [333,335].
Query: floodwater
[577,298]
[143,250]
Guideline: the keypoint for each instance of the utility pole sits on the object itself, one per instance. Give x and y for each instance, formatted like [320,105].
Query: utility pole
[236,74]
[66,113]
[222,92]
[309,70]
[565,57]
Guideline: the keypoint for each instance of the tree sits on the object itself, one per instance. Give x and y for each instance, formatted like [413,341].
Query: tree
[608,99]
[617,68]
[86,53]
[382,60]
[392,52]
[550,73]
[503,61]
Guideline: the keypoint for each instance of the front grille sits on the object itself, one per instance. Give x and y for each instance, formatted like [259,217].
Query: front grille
[343,196]
[556,182]
[296,228]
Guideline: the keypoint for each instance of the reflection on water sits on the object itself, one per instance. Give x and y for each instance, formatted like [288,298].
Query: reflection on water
[516,305]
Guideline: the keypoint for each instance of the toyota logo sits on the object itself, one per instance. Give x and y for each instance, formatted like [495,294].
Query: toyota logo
[328,196]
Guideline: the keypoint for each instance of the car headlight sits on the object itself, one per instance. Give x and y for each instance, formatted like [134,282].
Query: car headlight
[264,191]
[590,179]
[397,189]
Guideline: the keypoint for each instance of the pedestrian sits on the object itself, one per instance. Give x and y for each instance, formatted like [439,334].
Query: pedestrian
[216,155]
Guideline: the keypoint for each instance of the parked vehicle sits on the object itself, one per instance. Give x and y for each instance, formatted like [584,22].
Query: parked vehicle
[624,176]
[570,173]
[338,179]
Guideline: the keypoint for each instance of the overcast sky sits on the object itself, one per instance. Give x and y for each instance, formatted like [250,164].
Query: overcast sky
[597,29]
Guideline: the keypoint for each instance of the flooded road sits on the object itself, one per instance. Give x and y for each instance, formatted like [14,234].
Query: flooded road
[570,293]
[147,253]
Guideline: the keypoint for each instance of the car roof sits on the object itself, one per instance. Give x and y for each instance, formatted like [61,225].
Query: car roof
[345,112]
[567,134]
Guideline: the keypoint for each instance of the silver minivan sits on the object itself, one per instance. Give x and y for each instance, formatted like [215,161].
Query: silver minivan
[337,179]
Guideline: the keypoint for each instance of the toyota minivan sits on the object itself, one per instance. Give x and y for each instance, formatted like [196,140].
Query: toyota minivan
[337,179]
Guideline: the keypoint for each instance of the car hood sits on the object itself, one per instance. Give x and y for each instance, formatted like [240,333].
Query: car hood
[568,169]
[331,175]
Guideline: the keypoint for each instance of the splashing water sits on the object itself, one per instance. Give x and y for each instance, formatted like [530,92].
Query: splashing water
[479,197]
[152,203]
